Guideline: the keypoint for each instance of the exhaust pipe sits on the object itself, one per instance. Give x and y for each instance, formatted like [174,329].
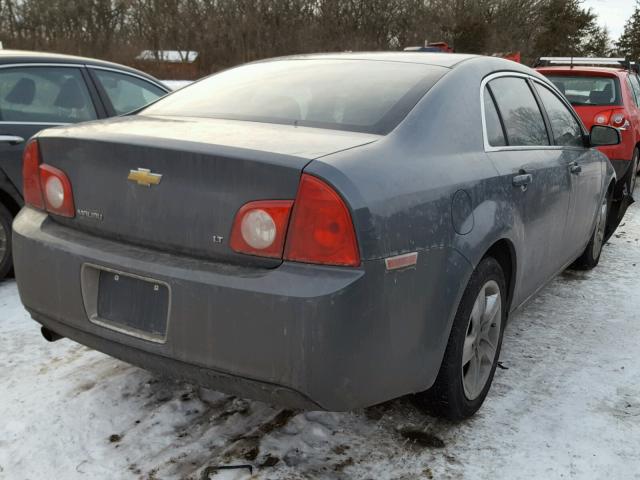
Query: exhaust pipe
[49,335]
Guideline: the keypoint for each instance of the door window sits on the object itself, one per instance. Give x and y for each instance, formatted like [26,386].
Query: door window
[521,115]
[565,128]
[127,93]
[495,134]
[44,95]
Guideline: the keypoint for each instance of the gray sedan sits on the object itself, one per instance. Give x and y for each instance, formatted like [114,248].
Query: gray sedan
[323,232]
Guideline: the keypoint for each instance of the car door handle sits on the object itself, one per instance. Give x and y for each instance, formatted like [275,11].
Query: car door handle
[11,139]
[575,168]
[522,180]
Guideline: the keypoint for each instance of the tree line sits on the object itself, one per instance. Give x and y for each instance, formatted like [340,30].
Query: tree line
[228,32]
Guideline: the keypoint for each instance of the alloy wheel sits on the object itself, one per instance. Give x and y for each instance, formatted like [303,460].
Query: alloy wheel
[481,341]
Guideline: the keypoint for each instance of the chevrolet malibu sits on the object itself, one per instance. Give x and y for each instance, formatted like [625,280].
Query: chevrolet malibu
[323,232]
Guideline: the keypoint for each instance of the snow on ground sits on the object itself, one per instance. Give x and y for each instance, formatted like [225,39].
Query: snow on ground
[565,405]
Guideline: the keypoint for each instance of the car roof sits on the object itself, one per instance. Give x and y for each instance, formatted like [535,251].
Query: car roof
[566,69]
[26,56]
[447,60]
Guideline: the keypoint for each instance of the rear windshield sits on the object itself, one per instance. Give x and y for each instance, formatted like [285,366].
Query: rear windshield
[355,95]
[584,90]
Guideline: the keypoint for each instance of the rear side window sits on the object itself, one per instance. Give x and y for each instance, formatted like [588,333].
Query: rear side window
[44,95]
[521,115]
[495,134]
[127,93]
[585,90]
[565,128]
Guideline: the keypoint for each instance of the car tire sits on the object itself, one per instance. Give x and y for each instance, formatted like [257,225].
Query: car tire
[633,172]
[591,255]
[6,261]
[467,370]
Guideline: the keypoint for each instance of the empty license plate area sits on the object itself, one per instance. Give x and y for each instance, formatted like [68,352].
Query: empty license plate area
[126,303]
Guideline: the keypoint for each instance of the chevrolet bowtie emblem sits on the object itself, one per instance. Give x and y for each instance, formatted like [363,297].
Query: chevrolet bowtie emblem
[143,176]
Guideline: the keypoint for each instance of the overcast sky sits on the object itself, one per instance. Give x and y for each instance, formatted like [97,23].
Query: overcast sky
[612,13]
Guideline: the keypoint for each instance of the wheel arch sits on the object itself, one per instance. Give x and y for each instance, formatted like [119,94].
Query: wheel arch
[617,209]
[9,200]
[504,252]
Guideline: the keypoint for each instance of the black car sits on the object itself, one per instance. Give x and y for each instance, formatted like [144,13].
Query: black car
[39,90]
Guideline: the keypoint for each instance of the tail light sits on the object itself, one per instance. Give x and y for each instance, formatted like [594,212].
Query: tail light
[58,196]
[601,118]
[321,229]
[260,228]
[316,228]
[45,187]
[618,119]
[31,189]
[615,118]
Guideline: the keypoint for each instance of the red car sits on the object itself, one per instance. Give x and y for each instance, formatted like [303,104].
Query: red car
[604,91]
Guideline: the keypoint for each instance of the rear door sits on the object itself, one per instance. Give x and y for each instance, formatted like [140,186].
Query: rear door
[534,176]
[585,169]
[36,97]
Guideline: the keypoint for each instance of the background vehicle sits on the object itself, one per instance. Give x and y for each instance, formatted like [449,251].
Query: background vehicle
[327,231]
[40,90]
[604,91]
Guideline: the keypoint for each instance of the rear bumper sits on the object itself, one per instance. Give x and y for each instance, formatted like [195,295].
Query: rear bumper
[207,377]
[623,171]
[298,335]
[622,152]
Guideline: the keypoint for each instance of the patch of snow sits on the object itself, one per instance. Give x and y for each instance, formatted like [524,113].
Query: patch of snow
[567,405]
[176,84]
[171,56]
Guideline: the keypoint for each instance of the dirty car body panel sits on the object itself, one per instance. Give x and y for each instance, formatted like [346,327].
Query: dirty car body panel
[288,332]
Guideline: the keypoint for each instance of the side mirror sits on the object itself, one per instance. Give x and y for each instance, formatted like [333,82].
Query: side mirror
[601,136]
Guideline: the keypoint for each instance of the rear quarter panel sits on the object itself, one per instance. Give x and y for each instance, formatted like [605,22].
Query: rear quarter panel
[401,187]
[401,190]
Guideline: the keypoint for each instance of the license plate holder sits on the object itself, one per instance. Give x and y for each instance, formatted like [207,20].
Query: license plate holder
[133,305]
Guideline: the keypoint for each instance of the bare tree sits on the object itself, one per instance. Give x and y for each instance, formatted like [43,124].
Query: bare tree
[228,32]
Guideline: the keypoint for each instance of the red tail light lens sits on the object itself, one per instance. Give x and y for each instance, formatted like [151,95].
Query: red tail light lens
[260,228]
[615,118]
[321,230]
[58,196]
[44,186]
[31,190]
[618,118]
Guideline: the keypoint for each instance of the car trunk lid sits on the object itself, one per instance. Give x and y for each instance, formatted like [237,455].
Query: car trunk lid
[206,170]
